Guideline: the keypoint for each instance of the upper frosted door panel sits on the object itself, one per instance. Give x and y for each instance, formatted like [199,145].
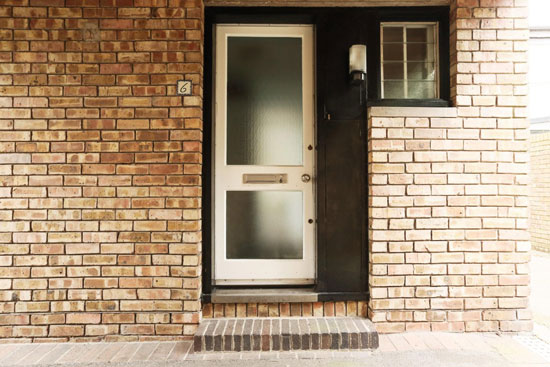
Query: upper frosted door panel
[264,101]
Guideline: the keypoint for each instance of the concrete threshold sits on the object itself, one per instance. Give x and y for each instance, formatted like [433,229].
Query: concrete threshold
[268,295]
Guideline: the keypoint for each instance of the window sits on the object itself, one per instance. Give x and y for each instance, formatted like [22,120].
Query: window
[409,60]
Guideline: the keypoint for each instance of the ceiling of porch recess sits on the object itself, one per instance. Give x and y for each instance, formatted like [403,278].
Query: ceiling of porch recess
[326,2]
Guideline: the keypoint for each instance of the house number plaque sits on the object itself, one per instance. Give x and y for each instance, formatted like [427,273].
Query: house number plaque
[185,87]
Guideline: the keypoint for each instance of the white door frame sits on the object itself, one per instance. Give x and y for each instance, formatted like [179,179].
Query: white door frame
[230,177]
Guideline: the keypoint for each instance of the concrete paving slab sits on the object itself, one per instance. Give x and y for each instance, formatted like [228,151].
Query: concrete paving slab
[400,343]
[36,354]
[432,342]
[415,341]
[180,351]
[54,354]
[6,349]
[92,351]
[109,352]
[73,354]
[162,351]
[144,351]
[125,353]
[19,354]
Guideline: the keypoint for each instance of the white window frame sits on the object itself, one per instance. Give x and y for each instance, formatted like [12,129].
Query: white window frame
[406,25]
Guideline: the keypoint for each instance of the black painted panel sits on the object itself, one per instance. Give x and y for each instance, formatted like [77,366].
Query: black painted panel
[341,156]
[344,219]
[335,34]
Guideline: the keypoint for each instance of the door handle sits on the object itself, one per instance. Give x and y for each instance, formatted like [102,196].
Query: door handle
[306,178]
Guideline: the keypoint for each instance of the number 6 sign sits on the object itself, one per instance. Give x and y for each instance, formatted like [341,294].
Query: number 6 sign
[184,87]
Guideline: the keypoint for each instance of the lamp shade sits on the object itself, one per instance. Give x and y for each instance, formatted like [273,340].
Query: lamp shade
[358,58]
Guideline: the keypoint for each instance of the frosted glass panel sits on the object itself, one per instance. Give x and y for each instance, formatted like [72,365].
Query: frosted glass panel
[264,101]
[394,89]
[420,71]
[264,225]
[421,90]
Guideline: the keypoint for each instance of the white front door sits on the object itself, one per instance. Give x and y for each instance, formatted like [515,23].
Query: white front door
[264,210]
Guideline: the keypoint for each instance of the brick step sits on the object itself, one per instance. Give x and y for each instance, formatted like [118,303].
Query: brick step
[282,334]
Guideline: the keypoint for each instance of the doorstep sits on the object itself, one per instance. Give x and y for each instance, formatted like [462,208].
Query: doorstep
[283,334]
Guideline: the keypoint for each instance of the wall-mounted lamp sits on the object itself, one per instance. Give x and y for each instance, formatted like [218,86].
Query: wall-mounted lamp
[358,63]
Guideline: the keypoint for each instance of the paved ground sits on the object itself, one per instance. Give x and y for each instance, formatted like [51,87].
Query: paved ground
[417,349]
[396,350]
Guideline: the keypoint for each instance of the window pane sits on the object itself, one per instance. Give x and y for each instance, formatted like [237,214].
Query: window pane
[394,70]
[264,101]
[420,71]
[393,34]
[264,225]
[421,90]
[417,52]
[394,89]
[417,35]
[393,52]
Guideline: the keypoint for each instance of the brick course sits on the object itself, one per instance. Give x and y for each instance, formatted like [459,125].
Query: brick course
[100,169]
[294,309]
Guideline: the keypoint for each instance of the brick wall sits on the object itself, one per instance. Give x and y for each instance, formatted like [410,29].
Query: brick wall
[447,218]
[449,247]
[100,178]
[100,168]
[539,205]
